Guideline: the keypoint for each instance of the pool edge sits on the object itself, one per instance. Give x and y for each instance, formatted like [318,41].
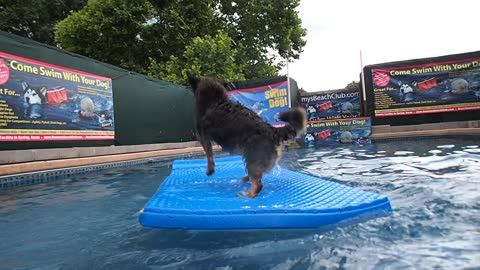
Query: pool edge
[34,166]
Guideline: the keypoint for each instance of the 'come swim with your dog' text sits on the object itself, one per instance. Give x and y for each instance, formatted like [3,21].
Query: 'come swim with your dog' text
[64,75]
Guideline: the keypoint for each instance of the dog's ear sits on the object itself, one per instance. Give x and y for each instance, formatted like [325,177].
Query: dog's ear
[43,95]
[193,81]
[24,85]
[43,90]
[225,84]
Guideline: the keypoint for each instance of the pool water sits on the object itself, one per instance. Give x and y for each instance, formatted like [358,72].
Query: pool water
[91,221]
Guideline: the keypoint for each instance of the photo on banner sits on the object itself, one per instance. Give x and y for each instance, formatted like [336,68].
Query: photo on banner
[267,101]
[44,102]
[437,87]
[332,132]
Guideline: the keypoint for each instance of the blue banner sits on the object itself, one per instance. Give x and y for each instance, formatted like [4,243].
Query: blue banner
[332,132]
[267,101]
[332,104]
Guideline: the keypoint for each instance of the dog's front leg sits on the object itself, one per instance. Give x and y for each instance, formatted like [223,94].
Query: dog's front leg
[207,147]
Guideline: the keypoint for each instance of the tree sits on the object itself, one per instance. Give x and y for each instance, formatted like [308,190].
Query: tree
[266,32]
[353,86]
[264,24]
[138,33]
[36,19]
[204,56]
[302,92]
[176,23]
[109,31]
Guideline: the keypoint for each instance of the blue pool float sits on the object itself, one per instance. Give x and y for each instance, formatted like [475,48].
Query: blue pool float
[189,199]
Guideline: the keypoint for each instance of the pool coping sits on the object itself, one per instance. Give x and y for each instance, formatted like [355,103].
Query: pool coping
[454,128]
[29,155]
[54,170]
[44,165]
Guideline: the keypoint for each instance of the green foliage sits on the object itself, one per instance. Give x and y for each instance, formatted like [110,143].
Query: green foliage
[176,23]
[245,39]
[302,92]
[256,64]
[263,24]
[109,31]
[35,19]
[205,56]
[353,86]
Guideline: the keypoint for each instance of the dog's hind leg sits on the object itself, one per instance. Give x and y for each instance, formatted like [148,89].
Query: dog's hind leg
[256,183]
[260,157]
[207,147]
[255,171]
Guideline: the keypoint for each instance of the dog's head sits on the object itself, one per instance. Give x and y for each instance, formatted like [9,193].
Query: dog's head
[346,108]
[406,88]
[34,95]
[309,138]
[208,90]
[311,109]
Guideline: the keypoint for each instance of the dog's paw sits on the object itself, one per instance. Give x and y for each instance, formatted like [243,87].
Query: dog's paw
[243,194]
[210,171]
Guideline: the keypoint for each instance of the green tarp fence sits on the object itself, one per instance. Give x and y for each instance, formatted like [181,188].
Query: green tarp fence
[146,110]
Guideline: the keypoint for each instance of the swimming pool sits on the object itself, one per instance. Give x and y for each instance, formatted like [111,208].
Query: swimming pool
[90,221]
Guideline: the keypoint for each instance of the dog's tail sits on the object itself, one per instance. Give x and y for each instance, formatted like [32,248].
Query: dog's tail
[296,119]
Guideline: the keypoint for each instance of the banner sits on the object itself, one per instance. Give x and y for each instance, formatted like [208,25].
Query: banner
[267,101]
[44,102]
[332,104]
[427,88]
[332,132]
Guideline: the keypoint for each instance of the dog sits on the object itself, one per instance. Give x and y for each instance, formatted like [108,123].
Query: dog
[34,95]
[237,128]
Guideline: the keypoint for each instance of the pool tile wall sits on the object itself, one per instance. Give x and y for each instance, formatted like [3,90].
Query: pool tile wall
[25,179]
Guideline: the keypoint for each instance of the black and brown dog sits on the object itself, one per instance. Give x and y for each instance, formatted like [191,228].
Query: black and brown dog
[235,127]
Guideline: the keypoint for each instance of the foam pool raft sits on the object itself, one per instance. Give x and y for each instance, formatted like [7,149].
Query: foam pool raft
[189,199]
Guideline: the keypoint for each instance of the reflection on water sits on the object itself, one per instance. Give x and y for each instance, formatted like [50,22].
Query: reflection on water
[91,222]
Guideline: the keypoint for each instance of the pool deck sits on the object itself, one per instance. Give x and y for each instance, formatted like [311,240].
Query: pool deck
[23,161]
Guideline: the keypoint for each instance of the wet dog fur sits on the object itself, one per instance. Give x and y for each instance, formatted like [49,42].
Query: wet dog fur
[239,129]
